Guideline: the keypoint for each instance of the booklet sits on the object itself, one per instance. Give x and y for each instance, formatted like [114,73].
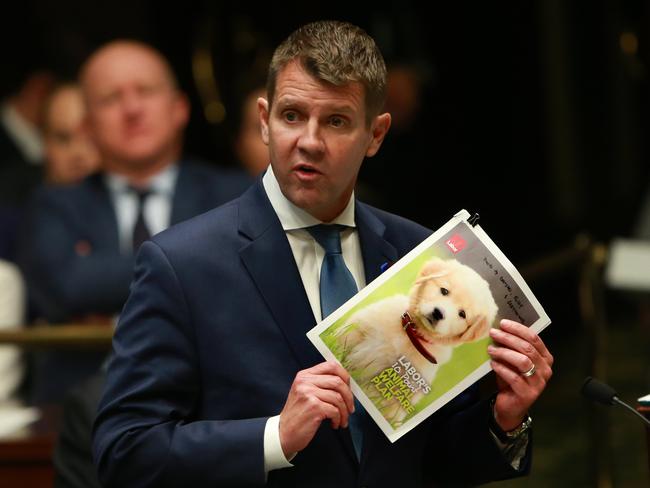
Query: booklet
[417,336]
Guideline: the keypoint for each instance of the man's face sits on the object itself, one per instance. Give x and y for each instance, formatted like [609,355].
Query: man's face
[318,136]
[135,114]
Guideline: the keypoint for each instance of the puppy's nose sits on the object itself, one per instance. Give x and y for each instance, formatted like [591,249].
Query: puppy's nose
[437,314]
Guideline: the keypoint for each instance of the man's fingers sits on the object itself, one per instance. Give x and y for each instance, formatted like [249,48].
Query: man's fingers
[515,342]
[331,368]
[528,336]
[336,384]
[515,360]
[333,399]
[331,376]
[517,383]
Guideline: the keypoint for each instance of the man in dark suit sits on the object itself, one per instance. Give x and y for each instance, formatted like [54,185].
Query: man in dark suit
[21,144]
[78,253]
[213,382]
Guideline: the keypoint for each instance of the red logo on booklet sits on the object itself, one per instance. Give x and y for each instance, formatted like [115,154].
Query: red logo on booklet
[456,243]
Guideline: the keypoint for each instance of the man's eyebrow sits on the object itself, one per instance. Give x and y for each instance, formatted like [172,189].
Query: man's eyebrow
[287,102]
[290,102]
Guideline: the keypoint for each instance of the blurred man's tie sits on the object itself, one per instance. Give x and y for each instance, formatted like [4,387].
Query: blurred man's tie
[140,231]
[337,285]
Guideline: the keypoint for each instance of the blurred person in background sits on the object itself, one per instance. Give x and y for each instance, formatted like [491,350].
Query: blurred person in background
[12,314]
[78,251]
[249,147]
[21,122]
[70,154]
[21,144]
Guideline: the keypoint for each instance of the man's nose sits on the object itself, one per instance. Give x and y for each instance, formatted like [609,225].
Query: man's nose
[311,139]
[132,103]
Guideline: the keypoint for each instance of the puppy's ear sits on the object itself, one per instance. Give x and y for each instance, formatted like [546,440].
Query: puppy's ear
[478,329]
[435,268]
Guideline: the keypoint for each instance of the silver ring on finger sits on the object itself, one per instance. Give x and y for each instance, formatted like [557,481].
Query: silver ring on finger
[529,373]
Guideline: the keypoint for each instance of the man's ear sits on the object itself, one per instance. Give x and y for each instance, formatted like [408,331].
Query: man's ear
[181,110]
[379,128]
[263,109]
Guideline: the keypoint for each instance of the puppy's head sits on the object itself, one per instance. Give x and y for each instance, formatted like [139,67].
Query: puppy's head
[451,303]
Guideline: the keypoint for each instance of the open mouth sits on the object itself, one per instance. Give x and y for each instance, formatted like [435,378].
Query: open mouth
[306,170]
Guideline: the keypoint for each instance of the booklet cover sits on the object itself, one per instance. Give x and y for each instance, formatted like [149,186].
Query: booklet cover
[417,336]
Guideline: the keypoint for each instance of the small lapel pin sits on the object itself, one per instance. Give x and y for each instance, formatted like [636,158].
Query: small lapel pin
[385,266]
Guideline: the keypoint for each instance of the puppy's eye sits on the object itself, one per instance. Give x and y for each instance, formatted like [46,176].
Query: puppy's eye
[462,313]
[444,291]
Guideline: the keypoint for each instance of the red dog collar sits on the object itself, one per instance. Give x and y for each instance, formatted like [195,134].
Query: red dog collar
[409,327]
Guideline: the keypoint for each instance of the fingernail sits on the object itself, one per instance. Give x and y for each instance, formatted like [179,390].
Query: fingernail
[491,349]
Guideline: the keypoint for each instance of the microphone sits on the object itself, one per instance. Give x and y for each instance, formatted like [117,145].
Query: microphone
[602,393]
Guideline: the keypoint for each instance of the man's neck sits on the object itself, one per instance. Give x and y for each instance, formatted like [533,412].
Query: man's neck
[142,174]
[293,217]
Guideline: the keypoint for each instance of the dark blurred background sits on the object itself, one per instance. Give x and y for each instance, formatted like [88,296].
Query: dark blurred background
[531,113]
[534,114]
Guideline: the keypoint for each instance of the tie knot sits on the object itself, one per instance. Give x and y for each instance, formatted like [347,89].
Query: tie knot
[328,236]
[141,193]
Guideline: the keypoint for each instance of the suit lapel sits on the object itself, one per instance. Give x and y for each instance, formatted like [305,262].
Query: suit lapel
[187,201]
[377,252]
[101,207]
[270,263]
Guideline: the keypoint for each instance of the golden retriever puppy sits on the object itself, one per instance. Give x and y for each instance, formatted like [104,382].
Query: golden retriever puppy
[394,347]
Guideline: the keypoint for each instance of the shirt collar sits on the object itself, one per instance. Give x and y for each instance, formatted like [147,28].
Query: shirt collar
[162,183]
[24,134]
[293,217]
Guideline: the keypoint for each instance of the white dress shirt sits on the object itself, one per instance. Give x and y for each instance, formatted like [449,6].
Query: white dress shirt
[309,258]
[157,207]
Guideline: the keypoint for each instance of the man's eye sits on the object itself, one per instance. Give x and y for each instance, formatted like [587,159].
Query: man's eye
[444,291]
[337,122]
[147,90]
[290,116]
[109,99]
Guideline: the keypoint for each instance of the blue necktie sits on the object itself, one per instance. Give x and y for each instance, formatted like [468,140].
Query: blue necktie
[336,286]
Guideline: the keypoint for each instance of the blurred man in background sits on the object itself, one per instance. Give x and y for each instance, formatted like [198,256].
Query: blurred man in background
[81,239]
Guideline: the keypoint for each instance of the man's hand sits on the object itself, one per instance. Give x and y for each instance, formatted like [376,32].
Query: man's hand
[318,393]
[517,349]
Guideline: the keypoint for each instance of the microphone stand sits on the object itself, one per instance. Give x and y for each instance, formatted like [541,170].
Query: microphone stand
[619,402]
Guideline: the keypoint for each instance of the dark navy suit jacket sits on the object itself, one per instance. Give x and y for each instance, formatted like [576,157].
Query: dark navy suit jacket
[71,253]
[209,342]
[73,264]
